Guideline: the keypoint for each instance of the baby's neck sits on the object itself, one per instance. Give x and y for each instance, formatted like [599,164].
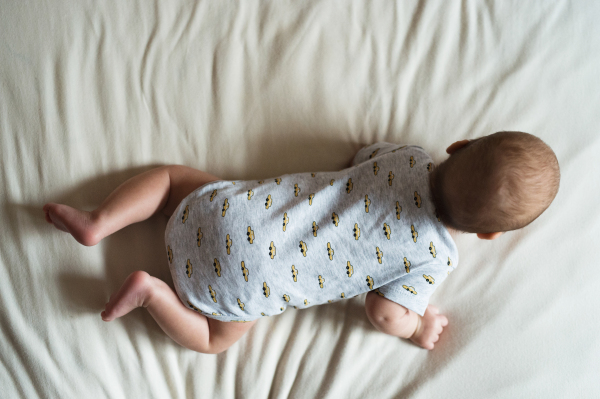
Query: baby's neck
[453,233]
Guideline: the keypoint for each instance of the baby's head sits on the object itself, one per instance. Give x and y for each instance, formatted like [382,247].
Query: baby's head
[495,183]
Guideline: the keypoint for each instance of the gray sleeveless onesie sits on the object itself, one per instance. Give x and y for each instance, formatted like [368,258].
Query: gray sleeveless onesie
[240,250]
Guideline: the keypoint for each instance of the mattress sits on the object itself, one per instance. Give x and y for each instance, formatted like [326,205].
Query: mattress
[93,93]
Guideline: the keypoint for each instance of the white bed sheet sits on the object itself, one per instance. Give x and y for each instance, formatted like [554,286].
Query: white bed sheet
[92,93]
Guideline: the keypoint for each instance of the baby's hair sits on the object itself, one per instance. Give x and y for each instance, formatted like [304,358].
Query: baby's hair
[495,183]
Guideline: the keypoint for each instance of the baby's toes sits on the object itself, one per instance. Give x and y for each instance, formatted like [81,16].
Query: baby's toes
[109,307]
[47,216]
[105,316]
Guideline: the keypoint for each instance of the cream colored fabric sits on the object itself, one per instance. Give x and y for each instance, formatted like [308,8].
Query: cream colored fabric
[94,92]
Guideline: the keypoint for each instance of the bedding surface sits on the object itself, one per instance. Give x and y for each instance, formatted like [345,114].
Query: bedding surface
[93,93]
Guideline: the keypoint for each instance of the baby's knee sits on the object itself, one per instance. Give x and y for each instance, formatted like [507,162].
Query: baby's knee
[224,334]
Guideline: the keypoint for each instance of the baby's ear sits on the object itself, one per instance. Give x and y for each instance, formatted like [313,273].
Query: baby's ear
[456,146]
[489,236]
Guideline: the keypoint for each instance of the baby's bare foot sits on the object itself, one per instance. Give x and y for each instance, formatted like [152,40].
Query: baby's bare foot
[80,224]
[134,293]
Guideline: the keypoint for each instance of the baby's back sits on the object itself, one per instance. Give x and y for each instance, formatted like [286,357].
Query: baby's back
[239,250]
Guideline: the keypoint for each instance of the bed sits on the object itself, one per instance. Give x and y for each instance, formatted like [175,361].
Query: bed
[93,93]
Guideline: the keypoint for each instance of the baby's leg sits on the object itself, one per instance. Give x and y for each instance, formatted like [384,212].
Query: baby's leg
[135,200]
[187,327]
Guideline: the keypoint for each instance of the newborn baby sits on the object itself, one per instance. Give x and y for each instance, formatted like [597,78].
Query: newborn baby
[242,250]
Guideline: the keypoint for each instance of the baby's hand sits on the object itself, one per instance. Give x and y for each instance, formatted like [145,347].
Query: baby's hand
[429,328]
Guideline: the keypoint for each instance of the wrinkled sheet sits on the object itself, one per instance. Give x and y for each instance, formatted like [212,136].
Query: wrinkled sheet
[95,92]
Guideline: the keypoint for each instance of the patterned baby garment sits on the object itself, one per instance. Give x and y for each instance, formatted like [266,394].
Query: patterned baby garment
[240,250]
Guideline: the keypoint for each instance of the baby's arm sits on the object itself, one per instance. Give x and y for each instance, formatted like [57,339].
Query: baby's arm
[372,150]
[394,319]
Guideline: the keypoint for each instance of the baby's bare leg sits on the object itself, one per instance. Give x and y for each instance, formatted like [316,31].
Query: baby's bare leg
[185,326]
[140,197]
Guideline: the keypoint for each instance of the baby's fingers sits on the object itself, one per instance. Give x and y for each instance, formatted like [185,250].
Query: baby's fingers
[431,341]
[443,320]
[427,344]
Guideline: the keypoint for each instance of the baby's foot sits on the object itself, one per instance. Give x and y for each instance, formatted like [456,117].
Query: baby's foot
[79,223]
[134,293]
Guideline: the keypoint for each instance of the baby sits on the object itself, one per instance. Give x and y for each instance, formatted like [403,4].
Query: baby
[242,250]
